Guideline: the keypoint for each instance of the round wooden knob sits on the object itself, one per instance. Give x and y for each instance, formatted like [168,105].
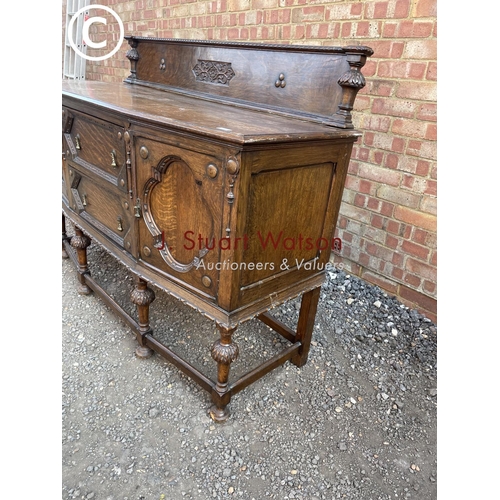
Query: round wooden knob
[147,251]
[206,281]
[232,166]
[212,170]
[144,152]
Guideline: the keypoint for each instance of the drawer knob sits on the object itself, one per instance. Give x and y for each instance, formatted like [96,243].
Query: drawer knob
[113,158]
[77,142]
[120,225]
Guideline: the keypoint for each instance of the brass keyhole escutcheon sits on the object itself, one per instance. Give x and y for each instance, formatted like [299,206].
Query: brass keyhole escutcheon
[120,225]
[137,208]
[113,158]
[84,201]
[77,142]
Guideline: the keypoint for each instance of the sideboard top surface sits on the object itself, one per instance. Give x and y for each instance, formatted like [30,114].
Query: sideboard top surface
[194,115]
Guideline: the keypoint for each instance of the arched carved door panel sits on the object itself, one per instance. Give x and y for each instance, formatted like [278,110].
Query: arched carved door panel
[180,204]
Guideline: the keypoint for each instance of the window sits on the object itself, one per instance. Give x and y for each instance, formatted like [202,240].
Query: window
[74,64]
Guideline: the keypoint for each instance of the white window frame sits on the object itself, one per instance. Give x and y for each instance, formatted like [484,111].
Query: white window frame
[73,63]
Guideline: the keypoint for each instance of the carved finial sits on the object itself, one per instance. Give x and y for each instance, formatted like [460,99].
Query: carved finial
[351,82]
[133,57]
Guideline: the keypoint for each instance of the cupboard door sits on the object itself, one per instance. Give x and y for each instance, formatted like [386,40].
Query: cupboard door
[180,198]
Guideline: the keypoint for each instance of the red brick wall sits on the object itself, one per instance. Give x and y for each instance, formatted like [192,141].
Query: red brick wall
[388,217]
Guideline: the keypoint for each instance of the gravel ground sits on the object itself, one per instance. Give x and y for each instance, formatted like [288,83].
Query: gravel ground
[358,421]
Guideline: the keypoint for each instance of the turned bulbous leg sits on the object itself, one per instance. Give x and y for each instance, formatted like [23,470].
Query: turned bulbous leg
[80,242]
[64,238]
[142,296]
[224,351]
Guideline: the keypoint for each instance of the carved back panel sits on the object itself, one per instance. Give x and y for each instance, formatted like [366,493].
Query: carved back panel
[315,83]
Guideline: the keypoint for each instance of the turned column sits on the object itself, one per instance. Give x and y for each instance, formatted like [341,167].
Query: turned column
[224,351]
[80,242]
[133,56]
[305,325]
[142,296]
[351,82]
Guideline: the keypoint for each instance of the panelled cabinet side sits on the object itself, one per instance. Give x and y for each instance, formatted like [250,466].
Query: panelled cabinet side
[292,198]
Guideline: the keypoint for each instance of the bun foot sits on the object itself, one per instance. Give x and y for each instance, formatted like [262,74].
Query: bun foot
[218,414]
[143,352]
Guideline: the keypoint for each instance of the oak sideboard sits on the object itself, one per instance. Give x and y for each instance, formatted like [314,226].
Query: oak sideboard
[214,172]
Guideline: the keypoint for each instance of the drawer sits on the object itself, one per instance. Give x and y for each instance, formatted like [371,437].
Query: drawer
[95,144]
[105,207]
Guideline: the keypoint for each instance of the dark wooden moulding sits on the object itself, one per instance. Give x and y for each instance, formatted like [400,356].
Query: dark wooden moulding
[232,142]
